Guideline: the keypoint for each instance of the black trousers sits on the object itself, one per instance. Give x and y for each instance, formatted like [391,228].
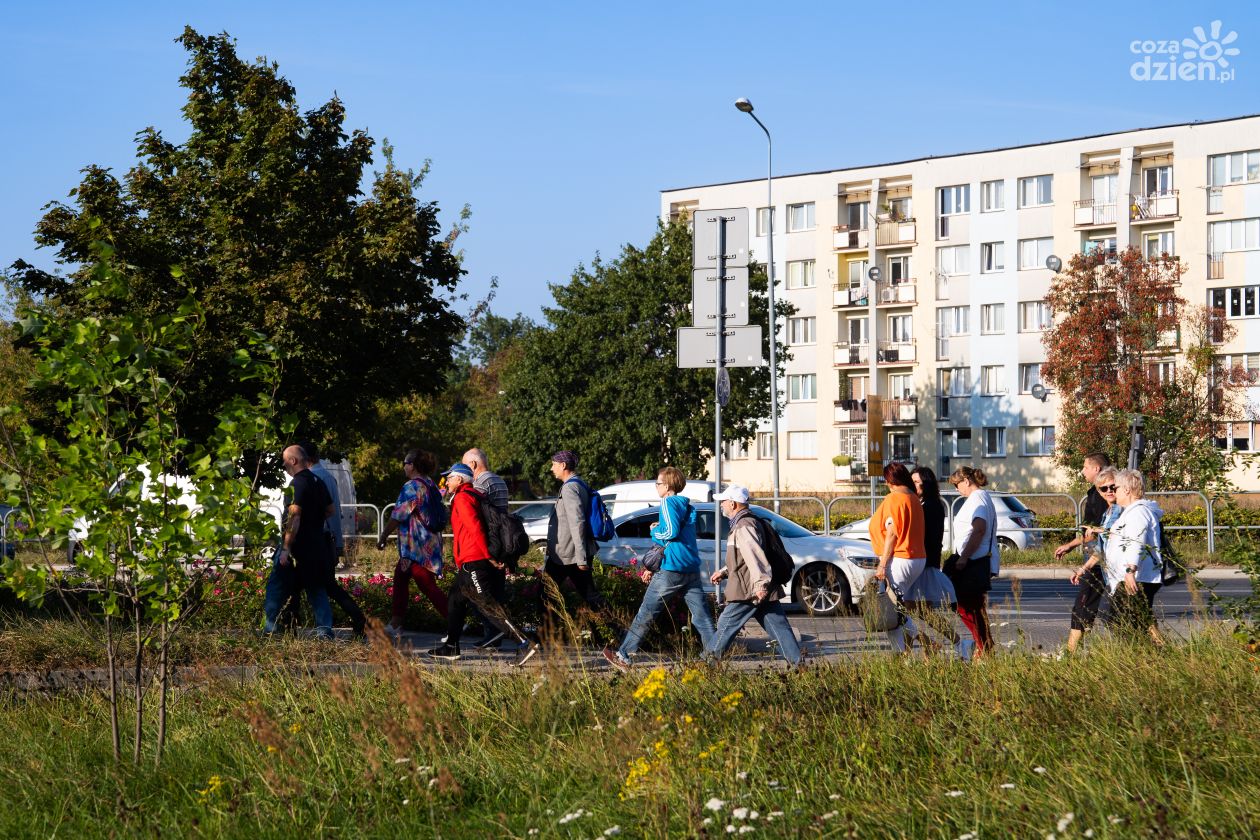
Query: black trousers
[336,593]
[476,587]
[1089,595]
[584,582]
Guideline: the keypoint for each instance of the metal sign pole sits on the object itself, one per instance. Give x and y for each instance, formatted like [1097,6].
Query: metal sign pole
[719,369]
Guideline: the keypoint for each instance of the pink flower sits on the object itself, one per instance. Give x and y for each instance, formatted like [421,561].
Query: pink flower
[218,591]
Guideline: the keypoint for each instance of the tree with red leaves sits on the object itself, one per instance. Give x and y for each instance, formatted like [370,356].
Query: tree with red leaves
[1123,343]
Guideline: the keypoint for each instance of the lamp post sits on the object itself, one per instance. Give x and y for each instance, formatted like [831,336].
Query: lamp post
[747,107]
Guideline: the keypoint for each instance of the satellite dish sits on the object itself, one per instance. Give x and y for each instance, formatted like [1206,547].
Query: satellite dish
[1039,392]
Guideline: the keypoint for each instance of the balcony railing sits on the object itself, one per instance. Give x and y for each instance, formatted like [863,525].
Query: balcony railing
[1090,212]
[899,411]
[844,295]
[898,293]
[850,411]
[890,233]
[1216,266]
[1144,208]
[852,354]
[893,294]
[846,238]
[896,352]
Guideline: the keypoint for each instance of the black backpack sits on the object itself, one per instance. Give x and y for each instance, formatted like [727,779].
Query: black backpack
[505,535]
[781,563]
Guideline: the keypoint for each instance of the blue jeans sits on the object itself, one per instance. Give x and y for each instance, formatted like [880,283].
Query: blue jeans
[281,585]
[769,615]
[663,586]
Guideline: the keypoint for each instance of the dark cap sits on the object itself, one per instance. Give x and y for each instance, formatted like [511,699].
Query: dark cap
[564,456]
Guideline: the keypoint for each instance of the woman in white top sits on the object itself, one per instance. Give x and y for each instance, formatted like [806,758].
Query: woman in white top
[975,557]
[1132,564]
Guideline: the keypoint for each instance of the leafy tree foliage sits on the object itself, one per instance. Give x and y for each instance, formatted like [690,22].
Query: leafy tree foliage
[262,210]
[1115,321]
[601,378]
[105,477]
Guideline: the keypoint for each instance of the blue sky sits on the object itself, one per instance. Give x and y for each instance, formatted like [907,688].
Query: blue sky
[559,123]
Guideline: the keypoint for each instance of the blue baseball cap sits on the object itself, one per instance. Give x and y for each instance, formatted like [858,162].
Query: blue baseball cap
[460,470]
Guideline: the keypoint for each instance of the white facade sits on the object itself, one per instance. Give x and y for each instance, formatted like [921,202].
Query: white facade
[961,243]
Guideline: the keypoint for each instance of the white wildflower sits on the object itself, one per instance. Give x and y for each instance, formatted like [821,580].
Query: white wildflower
[774,815]
[714,804]
[1089,832]
[402,760]
[741,775]
[533,689]
[752,815]
[573,702]
[744,829]
[406,801]
[954,793]
[829,815]
[1065,821]
[834,796]
[579,813]
[1041,770]
[613,831]
[707,821]
[1007,786]
[532,832]
[433,781]
[740,813]
[970,835]
[730,829]
[1114,820]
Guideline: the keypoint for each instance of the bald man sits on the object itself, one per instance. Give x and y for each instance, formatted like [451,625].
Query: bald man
[303,558]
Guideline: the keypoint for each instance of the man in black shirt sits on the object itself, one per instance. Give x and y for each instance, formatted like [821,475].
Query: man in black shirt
[302,560]
[1091,586]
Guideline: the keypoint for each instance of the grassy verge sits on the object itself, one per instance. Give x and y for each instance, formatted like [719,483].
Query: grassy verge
[1128,741]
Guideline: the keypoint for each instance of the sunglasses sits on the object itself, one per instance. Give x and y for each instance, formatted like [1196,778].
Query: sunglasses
[1107,488]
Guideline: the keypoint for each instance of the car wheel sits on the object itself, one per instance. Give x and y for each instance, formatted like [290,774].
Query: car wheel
[1007,544]
[822,589]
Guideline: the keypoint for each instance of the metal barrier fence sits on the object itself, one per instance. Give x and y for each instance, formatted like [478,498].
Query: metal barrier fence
[780,501]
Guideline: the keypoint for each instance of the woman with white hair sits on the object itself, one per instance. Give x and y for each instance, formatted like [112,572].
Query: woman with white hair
[1132,564]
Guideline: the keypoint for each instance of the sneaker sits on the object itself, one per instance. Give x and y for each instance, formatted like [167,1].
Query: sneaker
[526,652]
[491,640]
[965,649]
[616,660]
[447,652]
[394,631]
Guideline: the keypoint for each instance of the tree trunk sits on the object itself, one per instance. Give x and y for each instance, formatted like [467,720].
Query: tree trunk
[139,690]
[164,683]
[111,667]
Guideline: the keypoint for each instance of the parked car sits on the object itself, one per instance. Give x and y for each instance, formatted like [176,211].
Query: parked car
[536,515]
[630,496]
[1013,518]
[830,575]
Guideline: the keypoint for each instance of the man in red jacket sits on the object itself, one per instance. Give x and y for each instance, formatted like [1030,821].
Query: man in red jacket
[474,580]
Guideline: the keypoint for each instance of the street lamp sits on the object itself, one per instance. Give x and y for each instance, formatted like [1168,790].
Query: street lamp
[747,107]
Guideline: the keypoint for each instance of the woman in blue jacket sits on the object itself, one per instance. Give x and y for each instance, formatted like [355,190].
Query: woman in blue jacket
[680,570]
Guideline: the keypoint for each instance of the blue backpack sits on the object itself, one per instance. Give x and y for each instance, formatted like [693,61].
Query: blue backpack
[435,513]
[597,516]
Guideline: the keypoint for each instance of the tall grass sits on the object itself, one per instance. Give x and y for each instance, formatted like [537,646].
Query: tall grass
[1130,740]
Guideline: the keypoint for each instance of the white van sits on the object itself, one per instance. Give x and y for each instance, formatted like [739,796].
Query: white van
[630,496]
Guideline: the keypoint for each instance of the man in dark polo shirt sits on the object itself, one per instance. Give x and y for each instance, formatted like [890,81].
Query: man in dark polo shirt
[1091,586]
[302,561]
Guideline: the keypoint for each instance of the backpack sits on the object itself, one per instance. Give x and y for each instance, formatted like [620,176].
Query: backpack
[436,515]
[781,563]
[505,535]
[597,517]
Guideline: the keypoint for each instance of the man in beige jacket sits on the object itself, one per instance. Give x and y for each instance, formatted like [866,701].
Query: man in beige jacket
[749,593]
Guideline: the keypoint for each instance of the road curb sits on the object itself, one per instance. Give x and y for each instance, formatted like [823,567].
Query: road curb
[1065,572]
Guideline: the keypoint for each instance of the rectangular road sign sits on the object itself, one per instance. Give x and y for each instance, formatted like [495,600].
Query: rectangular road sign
[704,242]
[704,297]
[697,347]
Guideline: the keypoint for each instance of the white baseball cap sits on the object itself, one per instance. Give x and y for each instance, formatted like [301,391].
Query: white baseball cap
[732,493]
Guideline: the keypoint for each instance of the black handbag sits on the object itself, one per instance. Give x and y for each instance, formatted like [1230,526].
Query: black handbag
[653,559]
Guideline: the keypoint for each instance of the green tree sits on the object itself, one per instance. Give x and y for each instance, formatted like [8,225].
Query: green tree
[262,209]
[106,475]
[601,378]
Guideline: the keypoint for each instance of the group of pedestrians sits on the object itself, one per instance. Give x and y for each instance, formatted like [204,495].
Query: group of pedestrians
[1121,546]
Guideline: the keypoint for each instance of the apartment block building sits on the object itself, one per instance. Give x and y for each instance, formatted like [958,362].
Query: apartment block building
[953,324]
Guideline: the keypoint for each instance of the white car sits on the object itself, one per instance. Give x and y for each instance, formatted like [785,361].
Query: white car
[831,572]
[535,515]
[631,496]
[1013,518]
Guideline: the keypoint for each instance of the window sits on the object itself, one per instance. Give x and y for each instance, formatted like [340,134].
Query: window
[992,257]
[1029,375]
[764,217]
[1106,244]
[1237,436]
[1234,168]
[1038,440]
[1036,191]
[995,442]
[802,387]
[857,215]
[802,444]
[857,273]
[1238,302]
[857,331]
[737,450]
[993,318]
[1236,235]
[1160,243]
[1034,316]
[901,446]
[954,382]
[765,446]
[800,274]
[952,321]
[993,380]
[852,442]
[992,196]
[802,330]
[900,329]
[900,208]
[857,390]
[800,217]
[1157,180]
[953,259]
[1033,252]
[1162,371]
[956,443]
[898,270]
[1242,367]
[954,200]
[899,386]
[1103,189]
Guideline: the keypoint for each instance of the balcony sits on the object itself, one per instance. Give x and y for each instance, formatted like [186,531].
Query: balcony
[1153,207]
[852,354]
[1092,213]
[896,353]
[890,233]
[899,411]
[897,294]
[850,411]
[845,238]
[1216,266]
[844,295]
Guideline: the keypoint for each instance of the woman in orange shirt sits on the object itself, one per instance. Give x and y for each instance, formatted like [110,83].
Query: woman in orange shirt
[897,536]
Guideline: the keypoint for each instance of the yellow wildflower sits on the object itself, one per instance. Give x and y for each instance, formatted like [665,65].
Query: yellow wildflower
[295,728]
[660,749]
[211,788]
[690,675]
[688,719]
[731,701]
[652,687]
[640,769]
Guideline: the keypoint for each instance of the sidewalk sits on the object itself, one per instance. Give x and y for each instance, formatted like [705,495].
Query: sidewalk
[1065,572]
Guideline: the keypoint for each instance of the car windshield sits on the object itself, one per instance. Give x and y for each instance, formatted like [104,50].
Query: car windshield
[537,510]
[786,527]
